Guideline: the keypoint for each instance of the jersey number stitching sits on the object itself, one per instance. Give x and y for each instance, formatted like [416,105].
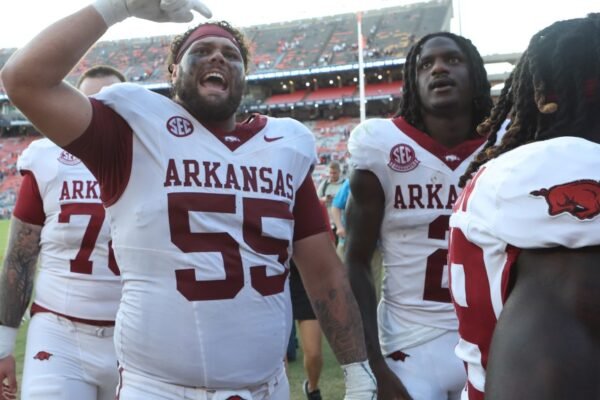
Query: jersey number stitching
[181,204]
[436,263]
[82,263]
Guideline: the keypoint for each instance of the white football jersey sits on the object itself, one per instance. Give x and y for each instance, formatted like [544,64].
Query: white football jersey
[419,178]
[76,278]
[203,237]
[540,195]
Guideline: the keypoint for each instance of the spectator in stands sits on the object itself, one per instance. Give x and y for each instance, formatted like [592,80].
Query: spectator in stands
[59,218]
[525,236]
[404,185]
[203,246]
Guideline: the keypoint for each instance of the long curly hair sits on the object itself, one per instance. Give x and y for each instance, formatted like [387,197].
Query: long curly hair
[553,91]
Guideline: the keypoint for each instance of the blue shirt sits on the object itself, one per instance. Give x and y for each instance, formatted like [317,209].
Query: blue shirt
[340,199]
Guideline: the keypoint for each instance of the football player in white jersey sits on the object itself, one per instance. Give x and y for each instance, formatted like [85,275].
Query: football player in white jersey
[525,233]
[205,212]
[60,218]
[403,187]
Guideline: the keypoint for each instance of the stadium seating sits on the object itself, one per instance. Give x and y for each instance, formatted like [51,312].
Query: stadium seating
[329,41]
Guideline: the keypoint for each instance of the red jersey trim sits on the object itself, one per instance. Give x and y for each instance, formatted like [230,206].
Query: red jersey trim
[29,206]
[36,308]
[308,216]
[512,253]
[243,131]
[106,149]
[451,157]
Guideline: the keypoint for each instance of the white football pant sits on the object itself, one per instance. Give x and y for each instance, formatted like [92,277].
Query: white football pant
[134,386]
[431,371]
[66,360]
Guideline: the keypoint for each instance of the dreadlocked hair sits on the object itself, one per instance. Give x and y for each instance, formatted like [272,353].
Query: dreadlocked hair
[553,91]
[410,108]
[180,39]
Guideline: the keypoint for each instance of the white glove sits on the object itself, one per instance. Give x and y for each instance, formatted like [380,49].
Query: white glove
[360,382]
[8,338]
[113,11]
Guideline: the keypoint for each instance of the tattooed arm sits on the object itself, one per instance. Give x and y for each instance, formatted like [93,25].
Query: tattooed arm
[326,283]
[16,285]
[16,280]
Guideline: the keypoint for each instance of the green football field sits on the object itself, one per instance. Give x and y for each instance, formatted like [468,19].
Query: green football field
[332,381]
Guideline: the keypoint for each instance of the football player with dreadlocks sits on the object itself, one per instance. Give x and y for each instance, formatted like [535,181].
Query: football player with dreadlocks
[205,212]
[403,188]
[525,234]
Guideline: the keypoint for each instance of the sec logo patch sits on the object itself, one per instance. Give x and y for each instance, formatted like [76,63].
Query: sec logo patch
[180,126]
[403,158]
[68,158]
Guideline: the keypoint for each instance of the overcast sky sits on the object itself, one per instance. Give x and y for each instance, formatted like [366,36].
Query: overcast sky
[499,26]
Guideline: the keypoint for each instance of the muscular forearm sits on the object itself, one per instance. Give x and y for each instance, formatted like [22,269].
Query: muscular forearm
[361,280]
[51,55]
[339,318]
[326,283]
[33,76]
[16,280]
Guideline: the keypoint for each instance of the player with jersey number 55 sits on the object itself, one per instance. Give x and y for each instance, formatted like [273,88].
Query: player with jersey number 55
[60,218]
[404,185]
[525,234]
[205,212]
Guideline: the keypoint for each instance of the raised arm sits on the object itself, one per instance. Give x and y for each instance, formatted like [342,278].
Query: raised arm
[16,285]
[364,215]
[546,344]
[33,76]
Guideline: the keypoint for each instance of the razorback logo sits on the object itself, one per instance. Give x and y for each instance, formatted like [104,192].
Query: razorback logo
[398,356]
[579,198]
[42,356]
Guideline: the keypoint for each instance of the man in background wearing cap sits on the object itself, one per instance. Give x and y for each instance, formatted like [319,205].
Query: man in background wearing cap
[204,211]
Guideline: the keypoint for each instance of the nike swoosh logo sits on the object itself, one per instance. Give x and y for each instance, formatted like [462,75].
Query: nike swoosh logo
[272,139]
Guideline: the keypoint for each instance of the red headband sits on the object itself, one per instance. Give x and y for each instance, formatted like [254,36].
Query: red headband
[204,31]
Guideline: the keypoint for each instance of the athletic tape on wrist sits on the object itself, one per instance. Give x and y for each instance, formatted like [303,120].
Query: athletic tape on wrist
[359,379]
[8,338]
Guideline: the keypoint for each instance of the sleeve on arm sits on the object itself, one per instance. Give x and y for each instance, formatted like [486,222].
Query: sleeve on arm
[106,148]
[29,207]
[535,203]
[308,217]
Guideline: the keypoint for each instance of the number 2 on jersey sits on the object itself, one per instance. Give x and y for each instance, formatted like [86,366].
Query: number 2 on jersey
[436,262]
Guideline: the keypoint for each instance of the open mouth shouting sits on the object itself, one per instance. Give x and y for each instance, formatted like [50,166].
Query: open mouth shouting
[214,81]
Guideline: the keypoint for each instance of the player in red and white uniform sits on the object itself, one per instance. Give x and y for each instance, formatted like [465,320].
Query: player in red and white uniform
[525,233]
[59,216]
[205,214]
[403,188]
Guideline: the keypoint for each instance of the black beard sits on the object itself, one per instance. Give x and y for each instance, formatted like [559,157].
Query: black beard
[205,111]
